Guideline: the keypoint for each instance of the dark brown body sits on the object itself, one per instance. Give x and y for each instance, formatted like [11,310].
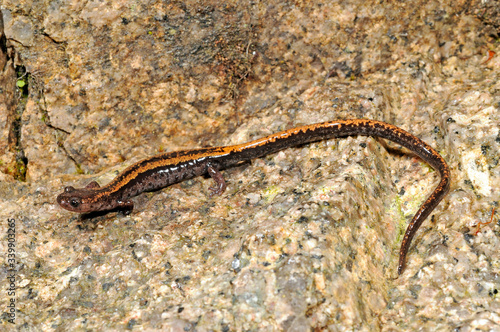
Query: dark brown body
[165,169]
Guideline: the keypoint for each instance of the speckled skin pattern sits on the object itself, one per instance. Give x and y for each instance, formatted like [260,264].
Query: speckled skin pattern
[165,169]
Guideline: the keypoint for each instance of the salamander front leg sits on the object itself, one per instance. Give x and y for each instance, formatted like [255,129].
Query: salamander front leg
[220,184]
[125,207]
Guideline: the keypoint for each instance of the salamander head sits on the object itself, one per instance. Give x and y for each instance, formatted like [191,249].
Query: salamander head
[78,200]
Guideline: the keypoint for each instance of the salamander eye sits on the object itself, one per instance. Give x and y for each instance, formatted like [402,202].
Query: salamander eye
[74,202]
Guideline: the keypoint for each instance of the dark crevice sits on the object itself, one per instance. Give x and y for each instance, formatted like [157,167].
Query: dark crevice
[3,43]
[27,84]
[45,113]
[48,124]
[52,39]
[17,41]
[22,81]
[21,161]
[60,144]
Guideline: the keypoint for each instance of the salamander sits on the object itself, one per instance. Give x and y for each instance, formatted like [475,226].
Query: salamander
[165,169]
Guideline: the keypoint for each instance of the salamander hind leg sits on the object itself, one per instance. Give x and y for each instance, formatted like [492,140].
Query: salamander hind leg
[220,184]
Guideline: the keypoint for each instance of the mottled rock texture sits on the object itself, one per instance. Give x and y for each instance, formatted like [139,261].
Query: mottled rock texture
[305,239]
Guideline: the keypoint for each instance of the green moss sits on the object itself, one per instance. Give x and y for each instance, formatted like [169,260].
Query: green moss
[11,170]
[401,226]
[20,83]
[79,169]
[23,78]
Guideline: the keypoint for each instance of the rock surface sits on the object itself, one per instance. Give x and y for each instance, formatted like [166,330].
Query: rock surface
[306,238]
